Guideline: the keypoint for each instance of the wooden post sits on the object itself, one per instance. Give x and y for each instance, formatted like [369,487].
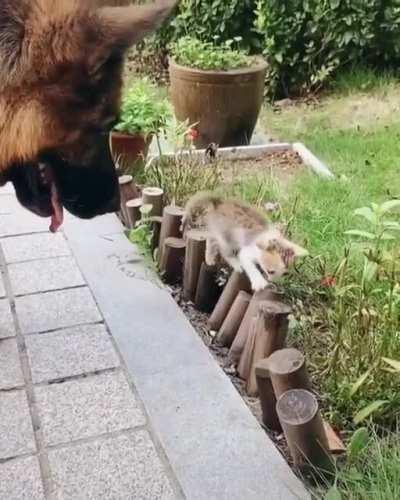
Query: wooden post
[153,196]
[235,316]
[236,283]
[304,430]
[241,337]
[195,255]
[128,192]
[171,225]
[132,210]
[267,396]
[287,369]
[172,260]
[155,221]
[267,335]
[207,291]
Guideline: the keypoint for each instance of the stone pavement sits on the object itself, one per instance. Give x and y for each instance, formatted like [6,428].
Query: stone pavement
[105,391]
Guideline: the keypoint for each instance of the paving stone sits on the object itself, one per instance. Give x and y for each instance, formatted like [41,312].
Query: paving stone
[34,246]
[70,352]
[88,407]
[14,219]
[10,366]
[53,310]
[20,480]
[16,433]
[6,324]
[44,275]
[120,468]
[2,289]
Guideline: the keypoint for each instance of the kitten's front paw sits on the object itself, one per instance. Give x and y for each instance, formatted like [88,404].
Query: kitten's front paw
[211,260]
[258,284]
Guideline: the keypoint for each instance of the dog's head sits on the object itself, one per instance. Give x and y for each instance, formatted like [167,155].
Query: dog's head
[60,84]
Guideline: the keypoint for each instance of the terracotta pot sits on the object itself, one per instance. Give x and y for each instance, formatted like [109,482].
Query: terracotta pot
[128,149]
[225,104]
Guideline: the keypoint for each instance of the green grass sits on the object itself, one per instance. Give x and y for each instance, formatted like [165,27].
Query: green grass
[375,473]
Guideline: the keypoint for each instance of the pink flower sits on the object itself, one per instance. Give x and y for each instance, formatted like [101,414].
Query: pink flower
[193,134]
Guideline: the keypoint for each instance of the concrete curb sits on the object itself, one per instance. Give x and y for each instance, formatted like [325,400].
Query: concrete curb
[215,446]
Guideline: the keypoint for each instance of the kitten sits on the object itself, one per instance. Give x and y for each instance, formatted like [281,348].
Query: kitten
[243,238]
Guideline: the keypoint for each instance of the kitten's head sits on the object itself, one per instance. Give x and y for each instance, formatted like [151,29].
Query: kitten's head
[277,254]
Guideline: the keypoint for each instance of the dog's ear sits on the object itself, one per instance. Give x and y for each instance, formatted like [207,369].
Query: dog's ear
[126,26]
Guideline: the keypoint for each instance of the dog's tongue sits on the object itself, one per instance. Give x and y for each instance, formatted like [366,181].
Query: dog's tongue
[58,212]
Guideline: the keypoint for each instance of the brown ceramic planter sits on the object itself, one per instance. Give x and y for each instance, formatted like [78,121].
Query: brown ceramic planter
[128,149]
[225,104]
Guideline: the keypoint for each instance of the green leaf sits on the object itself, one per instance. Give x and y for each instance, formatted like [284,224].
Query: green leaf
[359,382]
[388,206]
[363,234]
[367,213]
[393,363]
[370,270]
[333,494]
[358,442]
[368,410]
[392,225]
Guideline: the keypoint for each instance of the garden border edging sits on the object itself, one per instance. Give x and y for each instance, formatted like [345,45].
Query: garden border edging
[215,446]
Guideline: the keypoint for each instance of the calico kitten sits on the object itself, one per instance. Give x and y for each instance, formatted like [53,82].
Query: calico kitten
[243,238]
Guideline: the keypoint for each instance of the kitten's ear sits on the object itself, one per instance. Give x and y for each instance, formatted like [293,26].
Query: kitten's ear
[126,26]
[291,250]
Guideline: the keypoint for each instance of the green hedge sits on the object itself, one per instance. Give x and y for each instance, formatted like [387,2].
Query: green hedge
[307,41]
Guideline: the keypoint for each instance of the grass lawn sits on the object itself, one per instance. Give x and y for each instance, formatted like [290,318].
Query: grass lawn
[356,131]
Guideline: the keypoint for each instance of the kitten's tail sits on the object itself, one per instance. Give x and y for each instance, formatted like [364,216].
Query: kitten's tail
[199,202]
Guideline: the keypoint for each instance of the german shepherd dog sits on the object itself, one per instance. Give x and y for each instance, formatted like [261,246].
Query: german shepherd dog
[61,67]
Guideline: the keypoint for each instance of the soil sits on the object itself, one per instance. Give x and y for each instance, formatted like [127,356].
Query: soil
[282,166]
[199,323]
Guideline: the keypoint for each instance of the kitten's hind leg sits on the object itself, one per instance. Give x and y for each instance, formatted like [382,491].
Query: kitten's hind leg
[212,252]
[247,257]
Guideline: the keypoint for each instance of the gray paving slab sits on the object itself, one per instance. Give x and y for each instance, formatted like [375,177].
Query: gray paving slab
[14,219]
[88,407]
[216,447]
[20,480]
[34,246]
[15,425]
[44,275]
[10,366]
[119,468]
[70,352]
[54,310]
[2,289]
[6,324]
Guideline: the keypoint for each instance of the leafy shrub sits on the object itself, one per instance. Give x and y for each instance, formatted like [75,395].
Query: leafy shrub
[306,41]
[195,53]
[212,19]
[142,110]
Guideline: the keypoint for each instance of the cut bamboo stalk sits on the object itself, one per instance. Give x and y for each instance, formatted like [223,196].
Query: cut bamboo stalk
[235,316]
[236,283]
[155,221]
[207,291]
[128,192]
[153,196]
[241,337]
[287,369]
[268,334]
[171,265]
[171,225]
[195,255]
[132,210]
[304,430]
[267,396]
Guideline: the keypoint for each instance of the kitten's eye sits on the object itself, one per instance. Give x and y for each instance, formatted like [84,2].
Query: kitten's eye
[271,271]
